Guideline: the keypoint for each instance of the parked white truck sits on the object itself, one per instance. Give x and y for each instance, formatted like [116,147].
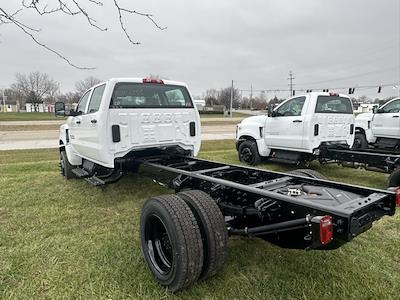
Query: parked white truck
[379,129]
[144,113]
[151,126]
[295,129]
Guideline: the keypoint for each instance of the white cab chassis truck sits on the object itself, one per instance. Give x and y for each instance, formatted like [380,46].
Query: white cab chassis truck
[296,129]
[151,126]
[379,129]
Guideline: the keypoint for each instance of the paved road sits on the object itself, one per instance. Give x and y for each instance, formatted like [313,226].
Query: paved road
[11,140]
[19,123]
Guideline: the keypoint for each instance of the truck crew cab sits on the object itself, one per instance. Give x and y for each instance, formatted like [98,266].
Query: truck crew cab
[151,126]
[379,129]
[296,128]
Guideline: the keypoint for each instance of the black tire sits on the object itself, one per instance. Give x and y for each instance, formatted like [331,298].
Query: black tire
[360,141]
[213,230]
[65,166]
[394,178]
[248,153]
[308,173]
[171,241]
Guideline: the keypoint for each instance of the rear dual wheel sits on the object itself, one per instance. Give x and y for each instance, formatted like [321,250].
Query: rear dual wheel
[183,238]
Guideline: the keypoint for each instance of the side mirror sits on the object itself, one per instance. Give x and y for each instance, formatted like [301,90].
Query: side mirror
[271,112]
[59,109]
[377,110]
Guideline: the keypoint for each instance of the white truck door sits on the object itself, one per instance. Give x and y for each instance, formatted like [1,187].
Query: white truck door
[75,124]
[386,122]
[90,144]
[285,128]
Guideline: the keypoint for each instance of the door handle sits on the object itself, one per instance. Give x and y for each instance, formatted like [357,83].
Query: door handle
[395,116]
[78,122]
[297,121]
[93,121]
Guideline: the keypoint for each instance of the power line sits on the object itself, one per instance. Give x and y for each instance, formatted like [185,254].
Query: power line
[358,87]
[353,76]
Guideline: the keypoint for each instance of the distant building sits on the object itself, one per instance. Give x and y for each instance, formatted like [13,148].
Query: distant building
[364,107]
[39,107]
[10,106]
[200,104]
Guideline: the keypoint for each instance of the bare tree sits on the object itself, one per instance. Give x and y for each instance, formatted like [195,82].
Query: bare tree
[85,84]
[224,97]
[35,86]
[68,8]
[69,98]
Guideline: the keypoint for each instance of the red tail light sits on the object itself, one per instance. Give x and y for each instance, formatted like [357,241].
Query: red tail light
[333,94]
[326,230]
[397,196]
[151,80]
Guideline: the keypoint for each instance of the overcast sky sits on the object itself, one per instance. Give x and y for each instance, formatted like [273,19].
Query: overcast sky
[327,44]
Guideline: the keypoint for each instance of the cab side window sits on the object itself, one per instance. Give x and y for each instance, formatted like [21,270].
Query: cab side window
[95,100]
[392,107]
[82,103]
[292,107]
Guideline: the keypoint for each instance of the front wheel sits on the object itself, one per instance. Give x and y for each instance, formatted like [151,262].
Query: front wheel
[360,141]
[394,178]
[248,153]
[65,166]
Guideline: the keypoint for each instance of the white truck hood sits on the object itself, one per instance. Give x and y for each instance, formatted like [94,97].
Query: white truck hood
[255,119]
[364,116]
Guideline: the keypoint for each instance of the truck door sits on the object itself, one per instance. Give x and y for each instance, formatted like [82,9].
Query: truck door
[386,122]
[75,124]
[90,145]
[284,130]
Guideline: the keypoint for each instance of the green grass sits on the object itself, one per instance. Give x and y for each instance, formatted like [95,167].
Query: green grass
[29,127]
[67,239]
[21,116]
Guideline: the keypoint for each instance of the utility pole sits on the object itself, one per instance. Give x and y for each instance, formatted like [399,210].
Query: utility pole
[4,101]
[230,108]
[291,82]
[251,96]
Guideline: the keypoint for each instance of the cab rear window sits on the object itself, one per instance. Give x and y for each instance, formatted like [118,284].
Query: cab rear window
[333,105]
[150,95]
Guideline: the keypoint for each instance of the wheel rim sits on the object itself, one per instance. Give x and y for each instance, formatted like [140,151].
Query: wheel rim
[246,155]
[357,143]
[158,245]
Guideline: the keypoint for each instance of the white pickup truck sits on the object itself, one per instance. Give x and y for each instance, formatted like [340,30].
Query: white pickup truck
[295,129]
[379,129]
[143,113]
[151,127]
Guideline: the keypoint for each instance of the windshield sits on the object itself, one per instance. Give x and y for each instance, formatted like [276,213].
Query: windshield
[150,95]
[333,105]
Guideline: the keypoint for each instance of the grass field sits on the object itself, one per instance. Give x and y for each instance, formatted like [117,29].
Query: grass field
[67,239]
[21,116]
